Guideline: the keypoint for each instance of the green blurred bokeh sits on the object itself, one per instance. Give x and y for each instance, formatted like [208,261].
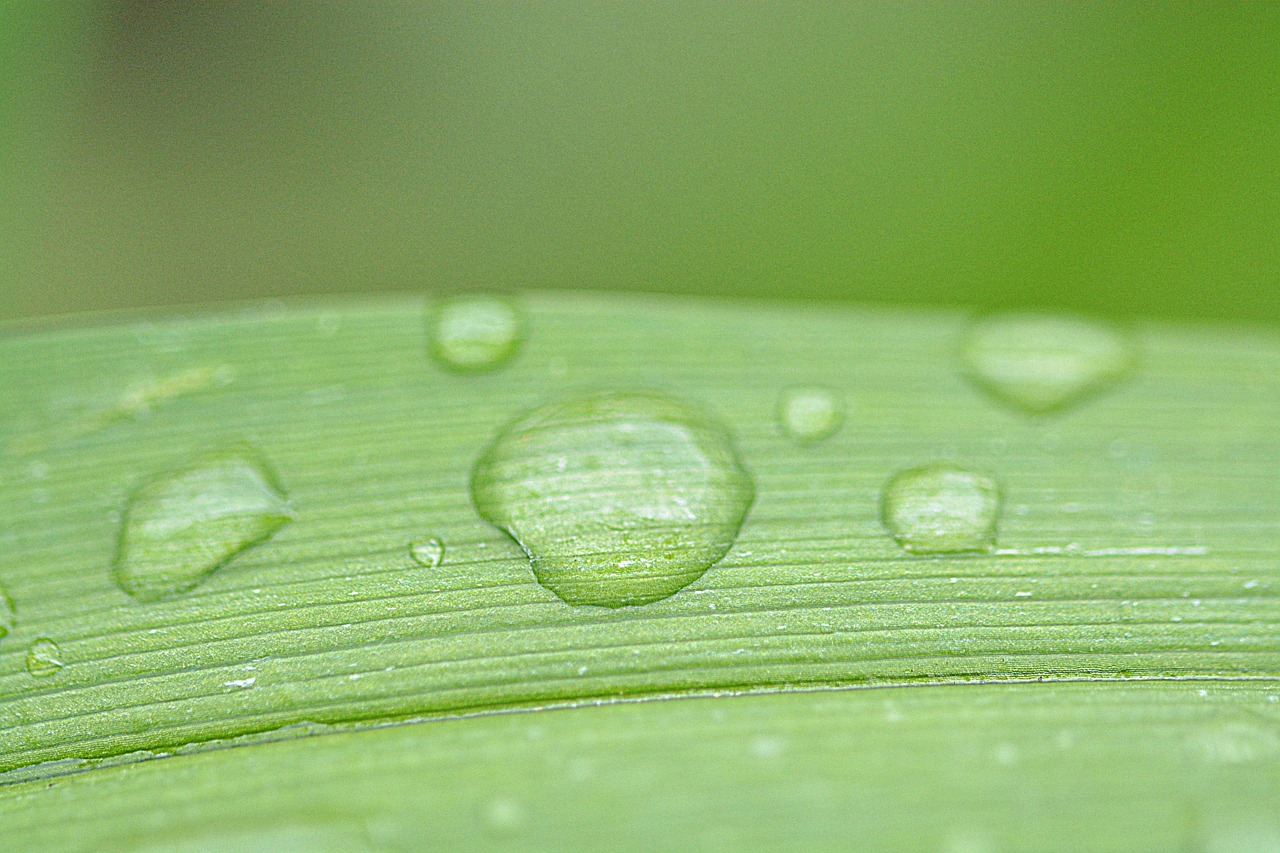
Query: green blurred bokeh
[1122,158]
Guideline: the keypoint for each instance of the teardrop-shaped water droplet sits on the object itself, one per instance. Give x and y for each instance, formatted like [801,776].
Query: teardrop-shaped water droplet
[618,499]
[44,658]
[184,524]
[427,552]
[939,509]
[1044,362]
[474,332]
[810,414]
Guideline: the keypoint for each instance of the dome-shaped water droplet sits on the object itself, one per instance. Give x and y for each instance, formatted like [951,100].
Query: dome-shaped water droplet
[618,499]
[810,414]
[474,332]
[184,524]
[941,510]
[427,552]
[44,658]
[1044,362]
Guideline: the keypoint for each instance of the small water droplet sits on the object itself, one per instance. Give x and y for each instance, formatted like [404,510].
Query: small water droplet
[44,658]
[618,499]
[184,524]
[941,510]
[473,332]
[503,815]
[427,552]
[1044,362]
[810,414]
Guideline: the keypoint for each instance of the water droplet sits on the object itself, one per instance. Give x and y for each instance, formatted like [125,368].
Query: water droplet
[1044,362]
[503,815]
[618,499]
[427,552]
[941,510]
[810,414]
[474,332]
[44,658]
[184,524]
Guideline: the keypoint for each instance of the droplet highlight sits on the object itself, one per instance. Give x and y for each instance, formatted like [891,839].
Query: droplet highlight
[427,552]
[810,414]
[941,510]
[618,499]
[44,658]
[1042,362]
[474,332]
[186,523]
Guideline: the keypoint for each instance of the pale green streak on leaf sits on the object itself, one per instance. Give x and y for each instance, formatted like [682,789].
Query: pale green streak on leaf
[1014,767]
[1138,534]
[6,613]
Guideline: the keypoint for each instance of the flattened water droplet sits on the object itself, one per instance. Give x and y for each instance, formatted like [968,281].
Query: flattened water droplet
[1044,362]
[941,510]
[427,552]
[618,499]
[474,332]
[810,414]
[44,658]
[184,524]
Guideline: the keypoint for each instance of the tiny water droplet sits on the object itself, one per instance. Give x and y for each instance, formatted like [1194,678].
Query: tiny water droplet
[184,524]
[939,509]
[618,499]
[1044,362]
[427,552]
[44,658]
[474,332]
[810,414]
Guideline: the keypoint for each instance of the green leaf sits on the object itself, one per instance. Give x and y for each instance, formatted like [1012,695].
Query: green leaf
[1136,540]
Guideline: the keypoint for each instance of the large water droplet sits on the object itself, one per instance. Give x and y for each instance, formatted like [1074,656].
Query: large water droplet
[941,510]
[474,332]
[1044,362]
[810,414]
[427,552]
[618,499]
[188,522]
[44,658]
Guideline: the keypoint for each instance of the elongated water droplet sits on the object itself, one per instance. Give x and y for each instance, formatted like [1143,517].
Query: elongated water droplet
[618,499]
[427,552]
[810,414]
[44,658]
[1044,362]
[474,332]
[941,510]
[188,522]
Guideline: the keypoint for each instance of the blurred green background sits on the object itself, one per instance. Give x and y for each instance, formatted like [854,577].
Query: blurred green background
[1114,157]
